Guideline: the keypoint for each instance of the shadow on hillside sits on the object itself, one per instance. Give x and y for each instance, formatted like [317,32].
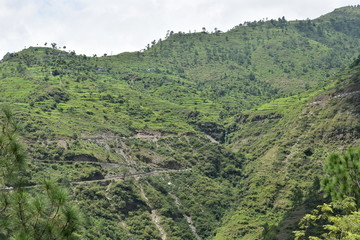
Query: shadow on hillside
[284,230]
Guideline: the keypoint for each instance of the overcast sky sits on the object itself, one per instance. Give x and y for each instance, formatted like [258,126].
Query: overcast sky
[115,26]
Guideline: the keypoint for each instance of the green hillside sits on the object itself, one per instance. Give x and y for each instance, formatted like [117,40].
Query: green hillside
[285,143]
[208,135]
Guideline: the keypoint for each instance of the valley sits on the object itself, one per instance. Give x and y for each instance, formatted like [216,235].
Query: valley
[219,135]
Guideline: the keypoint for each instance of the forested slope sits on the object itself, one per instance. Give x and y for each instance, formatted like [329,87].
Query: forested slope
[285,143]
[199,136]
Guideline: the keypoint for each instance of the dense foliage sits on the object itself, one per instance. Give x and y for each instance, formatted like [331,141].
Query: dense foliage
[24,214]
[343,173]
[339,219]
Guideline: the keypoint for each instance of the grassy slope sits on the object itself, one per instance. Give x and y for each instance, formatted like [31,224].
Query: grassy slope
[218,74]
[84,94]
[285,142]
[77,117]
[149,110]
[252,64]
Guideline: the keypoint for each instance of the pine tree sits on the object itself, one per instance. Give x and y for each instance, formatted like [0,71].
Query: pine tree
[25,213]
[343,175]
[340,218]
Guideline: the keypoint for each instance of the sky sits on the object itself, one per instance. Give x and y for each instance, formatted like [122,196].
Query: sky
[115,26]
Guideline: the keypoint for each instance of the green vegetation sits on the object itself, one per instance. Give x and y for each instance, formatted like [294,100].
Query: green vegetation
[26,214]
[339,219]
[200,136]
[343,175]
[284,143]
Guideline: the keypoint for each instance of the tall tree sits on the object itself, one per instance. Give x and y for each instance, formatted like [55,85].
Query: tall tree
[24,214]
[340,218]
[343,175]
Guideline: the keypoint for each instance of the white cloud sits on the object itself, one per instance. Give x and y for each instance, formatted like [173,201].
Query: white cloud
[114,26]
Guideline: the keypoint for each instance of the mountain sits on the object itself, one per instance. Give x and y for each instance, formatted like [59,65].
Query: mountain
[285,143]
[201,135]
